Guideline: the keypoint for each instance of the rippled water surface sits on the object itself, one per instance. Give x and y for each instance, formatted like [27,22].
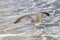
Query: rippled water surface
[11,10]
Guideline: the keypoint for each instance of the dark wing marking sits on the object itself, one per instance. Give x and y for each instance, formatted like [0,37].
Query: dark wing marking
[46,13]
[23,18]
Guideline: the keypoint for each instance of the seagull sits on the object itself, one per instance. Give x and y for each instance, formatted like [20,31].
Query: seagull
[35,22]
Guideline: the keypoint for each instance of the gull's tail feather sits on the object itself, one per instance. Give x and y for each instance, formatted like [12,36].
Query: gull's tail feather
[23,18]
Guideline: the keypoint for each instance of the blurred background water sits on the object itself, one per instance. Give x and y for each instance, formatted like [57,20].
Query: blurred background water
[10,10]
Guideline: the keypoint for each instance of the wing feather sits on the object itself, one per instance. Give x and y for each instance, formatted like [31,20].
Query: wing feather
[39,16]
[23,18]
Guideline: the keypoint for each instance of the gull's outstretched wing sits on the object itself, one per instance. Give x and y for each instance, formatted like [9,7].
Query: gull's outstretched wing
[39,16]
[23,18]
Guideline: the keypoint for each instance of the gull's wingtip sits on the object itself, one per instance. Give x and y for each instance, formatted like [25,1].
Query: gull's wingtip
[45,13]
[15,22]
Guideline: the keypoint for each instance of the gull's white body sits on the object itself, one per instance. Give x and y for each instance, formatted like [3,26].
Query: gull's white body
[36,24]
